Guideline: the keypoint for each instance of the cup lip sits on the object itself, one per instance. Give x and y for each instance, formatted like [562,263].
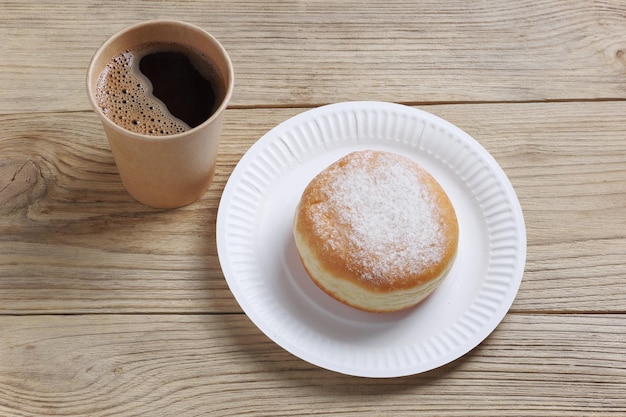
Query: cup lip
[139,136]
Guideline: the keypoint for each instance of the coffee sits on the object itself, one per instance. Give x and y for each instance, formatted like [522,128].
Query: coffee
[159,89]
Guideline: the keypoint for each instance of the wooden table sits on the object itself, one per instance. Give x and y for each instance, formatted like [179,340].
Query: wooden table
[108,307]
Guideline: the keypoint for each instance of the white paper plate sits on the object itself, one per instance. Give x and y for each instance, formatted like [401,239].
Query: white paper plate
[259,259]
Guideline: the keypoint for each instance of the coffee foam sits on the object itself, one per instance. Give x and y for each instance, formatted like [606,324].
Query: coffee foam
[125,96]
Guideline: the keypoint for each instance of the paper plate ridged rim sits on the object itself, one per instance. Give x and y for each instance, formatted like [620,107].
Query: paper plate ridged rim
[261,265]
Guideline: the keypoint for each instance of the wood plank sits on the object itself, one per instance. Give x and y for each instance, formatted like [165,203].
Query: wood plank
[72,240]
[308,53]
[123,365]
[108,307]
[567,163]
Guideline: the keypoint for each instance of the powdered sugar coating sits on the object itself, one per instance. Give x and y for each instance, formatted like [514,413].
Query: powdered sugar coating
[384,211]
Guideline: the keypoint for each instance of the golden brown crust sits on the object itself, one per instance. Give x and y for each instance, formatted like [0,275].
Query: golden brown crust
[376,223]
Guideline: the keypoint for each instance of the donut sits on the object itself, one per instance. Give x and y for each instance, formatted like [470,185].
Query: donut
[376,231]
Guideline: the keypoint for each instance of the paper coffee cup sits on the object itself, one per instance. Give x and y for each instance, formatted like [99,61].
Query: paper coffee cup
[176,169]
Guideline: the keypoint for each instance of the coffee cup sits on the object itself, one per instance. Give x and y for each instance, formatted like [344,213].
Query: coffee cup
[164,161]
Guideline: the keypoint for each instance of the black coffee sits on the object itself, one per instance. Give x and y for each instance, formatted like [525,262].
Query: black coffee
[159,89]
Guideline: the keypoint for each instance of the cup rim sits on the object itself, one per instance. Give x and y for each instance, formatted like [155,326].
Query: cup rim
[218,111]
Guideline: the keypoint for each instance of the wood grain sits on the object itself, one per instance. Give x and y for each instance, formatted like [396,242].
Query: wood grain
[567,163]
[111,308]
[198,365]
[72,240]
[314,52]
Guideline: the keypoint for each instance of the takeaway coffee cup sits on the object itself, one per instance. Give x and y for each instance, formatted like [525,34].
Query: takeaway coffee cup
[160,89]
